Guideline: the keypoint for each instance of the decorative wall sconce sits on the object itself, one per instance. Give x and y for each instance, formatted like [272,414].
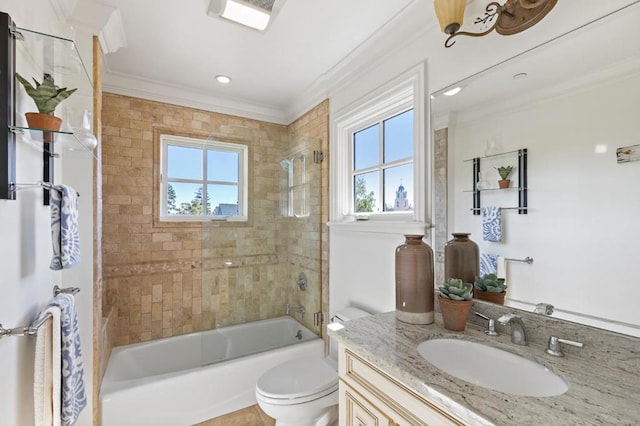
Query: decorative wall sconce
[511,18]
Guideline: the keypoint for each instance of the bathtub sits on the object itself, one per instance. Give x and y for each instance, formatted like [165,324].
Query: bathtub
[187,379]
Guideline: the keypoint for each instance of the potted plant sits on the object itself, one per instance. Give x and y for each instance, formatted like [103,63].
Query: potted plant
[455,303]
[490,288]
[47,96]
[504,172]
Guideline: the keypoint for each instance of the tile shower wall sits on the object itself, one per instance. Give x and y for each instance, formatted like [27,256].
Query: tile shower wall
[153,271]
[167,279]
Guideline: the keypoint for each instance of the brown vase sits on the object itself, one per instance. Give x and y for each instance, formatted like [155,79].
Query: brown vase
[414,281]
[504,183]
[37,120]
[461,258]
[489,297]
[454,313]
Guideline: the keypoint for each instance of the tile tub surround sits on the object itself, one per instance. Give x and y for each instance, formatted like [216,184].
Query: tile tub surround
[601,390]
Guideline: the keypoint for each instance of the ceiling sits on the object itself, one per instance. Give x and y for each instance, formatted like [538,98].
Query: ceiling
[174,49]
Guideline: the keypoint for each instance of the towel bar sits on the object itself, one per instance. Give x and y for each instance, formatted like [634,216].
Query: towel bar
[13,187]
[527,259]
[32,330]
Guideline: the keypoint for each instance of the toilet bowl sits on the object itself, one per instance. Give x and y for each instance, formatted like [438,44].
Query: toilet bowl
[304,391]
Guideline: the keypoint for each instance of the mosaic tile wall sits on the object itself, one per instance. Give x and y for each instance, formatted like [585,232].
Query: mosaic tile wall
[167,279]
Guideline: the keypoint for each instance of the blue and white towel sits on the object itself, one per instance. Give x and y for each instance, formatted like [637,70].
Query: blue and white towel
[491,223]
[64,227]
[488,264]
[71,391]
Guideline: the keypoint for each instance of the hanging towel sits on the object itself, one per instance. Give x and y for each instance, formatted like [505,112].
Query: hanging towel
[46,378]
[71,397]
[64,227]
[491,223]
[488,264]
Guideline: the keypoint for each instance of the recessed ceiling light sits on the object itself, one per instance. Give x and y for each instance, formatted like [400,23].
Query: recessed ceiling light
[223,79]
[453,91]
[520,76]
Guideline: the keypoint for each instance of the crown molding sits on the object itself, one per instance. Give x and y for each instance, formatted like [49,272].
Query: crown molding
[127,85]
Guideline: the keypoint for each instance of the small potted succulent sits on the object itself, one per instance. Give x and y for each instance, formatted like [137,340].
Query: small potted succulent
[504,172]
[455,301]
[490,288]
[47,96]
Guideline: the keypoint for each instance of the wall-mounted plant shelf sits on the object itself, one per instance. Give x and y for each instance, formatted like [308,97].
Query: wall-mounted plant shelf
[522,181]
[34,54]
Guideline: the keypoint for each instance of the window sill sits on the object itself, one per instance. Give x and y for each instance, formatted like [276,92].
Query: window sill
[382,227]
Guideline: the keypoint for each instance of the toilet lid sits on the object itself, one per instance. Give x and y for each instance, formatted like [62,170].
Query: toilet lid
[297,378]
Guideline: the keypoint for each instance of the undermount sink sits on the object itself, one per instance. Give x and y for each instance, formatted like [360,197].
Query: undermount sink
[492,368]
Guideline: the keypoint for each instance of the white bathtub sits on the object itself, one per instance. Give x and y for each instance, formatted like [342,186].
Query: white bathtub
[187,379]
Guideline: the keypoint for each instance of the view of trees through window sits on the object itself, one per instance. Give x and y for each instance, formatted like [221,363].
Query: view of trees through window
[202,178]
[383,165]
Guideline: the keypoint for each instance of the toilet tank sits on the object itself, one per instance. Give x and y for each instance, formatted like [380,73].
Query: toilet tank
[342,316]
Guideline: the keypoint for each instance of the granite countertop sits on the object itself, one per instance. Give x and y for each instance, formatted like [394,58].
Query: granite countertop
[599,393]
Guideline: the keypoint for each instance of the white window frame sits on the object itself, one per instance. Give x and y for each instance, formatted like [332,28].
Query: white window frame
[405,92]
[204,144]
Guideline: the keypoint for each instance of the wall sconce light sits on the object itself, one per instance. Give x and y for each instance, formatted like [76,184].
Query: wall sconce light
[511,18]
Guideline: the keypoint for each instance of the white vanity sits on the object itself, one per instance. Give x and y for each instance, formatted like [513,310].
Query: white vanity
[385,381]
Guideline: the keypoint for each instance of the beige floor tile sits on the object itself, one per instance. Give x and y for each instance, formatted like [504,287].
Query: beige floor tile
[250,416]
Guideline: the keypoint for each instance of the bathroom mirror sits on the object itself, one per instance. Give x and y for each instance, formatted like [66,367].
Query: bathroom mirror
[574,104]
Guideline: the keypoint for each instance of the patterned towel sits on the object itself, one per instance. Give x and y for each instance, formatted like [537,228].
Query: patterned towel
[64,227]
[71,393]
[488,264]
[491,223]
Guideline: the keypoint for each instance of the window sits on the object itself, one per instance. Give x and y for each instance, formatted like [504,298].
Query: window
[379,155]
[202,180]
[383,166]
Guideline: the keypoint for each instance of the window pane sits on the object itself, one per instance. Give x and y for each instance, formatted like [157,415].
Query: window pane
[366,192]
[398,137]
[184,163]
[222,166]
[366,148]
[224,199]
[398,188]
[184,198]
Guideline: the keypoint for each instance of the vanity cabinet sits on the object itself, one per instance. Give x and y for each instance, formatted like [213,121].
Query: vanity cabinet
[370,397]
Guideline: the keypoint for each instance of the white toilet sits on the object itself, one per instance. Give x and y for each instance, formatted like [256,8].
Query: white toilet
[304,391]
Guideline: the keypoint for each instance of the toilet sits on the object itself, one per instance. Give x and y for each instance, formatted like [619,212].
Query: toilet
[304,391]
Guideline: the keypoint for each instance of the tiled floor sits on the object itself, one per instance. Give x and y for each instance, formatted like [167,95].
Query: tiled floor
[250,416]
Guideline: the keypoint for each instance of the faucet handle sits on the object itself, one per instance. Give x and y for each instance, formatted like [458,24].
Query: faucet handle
[491,327]
[554,348]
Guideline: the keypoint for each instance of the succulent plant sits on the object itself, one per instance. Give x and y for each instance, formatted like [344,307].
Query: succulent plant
[504,171]
[490,283]
[455,289]
[46,95]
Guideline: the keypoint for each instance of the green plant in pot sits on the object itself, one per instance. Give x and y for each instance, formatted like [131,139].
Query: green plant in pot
[47,96]
[490,288]
[504,172]
[456,298]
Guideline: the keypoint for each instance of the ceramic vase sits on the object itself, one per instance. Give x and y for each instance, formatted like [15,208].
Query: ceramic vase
[414,281]
[461,258]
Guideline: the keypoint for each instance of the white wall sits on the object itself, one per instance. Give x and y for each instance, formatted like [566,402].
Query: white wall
[386,58]
[25,251]
[582,228]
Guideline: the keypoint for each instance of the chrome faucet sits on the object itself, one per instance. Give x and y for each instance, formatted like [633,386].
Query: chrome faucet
[518,334]
[299,309]
[555,349]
